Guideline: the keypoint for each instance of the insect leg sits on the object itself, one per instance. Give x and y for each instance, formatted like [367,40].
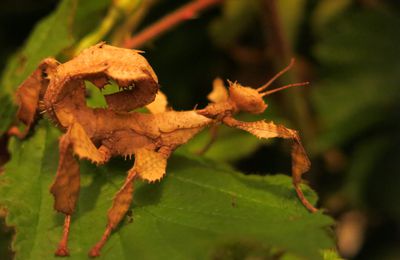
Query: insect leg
[62,249]
[300,161]
[149,165]
[121,204]
[84,147]
[65,189]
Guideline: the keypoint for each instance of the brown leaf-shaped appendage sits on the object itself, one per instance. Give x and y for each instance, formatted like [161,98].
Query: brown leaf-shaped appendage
[32,90]
[101,63]
[159,105]
[65,188]
[219,92]
[150,165]
[128,69]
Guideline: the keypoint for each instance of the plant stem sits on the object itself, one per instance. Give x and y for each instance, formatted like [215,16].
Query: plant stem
[279,43]
[296,103]
[184,13]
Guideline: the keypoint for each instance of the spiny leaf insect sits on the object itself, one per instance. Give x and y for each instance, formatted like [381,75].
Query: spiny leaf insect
[97,134]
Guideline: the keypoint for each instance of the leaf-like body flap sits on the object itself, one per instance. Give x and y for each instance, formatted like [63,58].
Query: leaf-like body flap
[159,105]
[143,92]
[30,91]
[150,165]
[101,63]
[65,188]
[219,92]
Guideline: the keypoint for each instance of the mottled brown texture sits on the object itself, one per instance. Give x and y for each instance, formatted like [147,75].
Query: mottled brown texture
[31,91]
[99,134]
[65,188]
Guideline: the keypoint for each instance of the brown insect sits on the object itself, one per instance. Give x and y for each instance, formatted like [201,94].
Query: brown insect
[58,90]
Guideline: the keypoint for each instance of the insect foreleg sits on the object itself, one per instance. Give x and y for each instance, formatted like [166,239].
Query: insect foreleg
[300,161]
[65,188]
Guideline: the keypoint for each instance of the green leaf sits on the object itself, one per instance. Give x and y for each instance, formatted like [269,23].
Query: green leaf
[197,211]
[7,110]
[225,147]
[331,255]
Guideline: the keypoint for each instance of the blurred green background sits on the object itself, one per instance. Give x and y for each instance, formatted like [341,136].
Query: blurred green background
[349,117]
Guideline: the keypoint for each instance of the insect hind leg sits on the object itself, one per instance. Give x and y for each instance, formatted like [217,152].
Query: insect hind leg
[149,165]
[121,204]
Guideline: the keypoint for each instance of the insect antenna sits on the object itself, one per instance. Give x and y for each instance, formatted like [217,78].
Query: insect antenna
[280,73]
[266,93]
